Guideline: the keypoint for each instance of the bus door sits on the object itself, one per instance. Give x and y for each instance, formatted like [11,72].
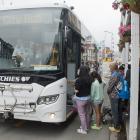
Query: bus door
[71,66]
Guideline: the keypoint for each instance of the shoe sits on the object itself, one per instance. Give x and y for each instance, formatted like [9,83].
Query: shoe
[81,131]
[114,129]
[81,128]
[94,124]
[96,127]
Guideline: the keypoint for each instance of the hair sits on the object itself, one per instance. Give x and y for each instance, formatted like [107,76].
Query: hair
[95,75]
[113,66]
[84,72]
[121,67]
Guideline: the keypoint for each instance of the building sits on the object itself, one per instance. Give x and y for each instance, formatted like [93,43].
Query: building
[89,55]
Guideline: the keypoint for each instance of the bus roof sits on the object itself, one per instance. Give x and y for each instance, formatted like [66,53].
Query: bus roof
[11,5]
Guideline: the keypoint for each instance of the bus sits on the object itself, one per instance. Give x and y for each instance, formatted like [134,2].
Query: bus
[107,54]
[40,52]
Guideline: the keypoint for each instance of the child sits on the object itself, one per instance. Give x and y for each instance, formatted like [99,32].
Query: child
[97,97]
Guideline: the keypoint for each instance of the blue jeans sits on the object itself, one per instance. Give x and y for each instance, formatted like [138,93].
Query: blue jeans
[83,107]
[116,108]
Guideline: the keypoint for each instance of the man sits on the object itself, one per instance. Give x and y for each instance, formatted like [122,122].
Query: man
[114,98]
[128,74]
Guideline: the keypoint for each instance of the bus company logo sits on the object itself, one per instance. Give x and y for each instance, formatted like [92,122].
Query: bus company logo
[14,79]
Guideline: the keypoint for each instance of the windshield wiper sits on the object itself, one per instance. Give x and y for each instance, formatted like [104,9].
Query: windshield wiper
[18,68]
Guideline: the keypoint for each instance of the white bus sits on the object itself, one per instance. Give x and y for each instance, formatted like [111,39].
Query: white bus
[40,50]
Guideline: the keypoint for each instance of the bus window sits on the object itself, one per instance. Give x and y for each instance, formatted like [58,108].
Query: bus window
[71,62]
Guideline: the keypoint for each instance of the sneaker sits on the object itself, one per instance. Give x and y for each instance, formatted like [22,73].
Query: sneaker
[96,127]
[94,124]
[114,129]
[81,131]
[81,128]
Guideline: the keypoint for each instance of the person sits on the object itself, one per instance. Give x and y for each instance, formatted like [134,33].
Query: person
[128,75]
[97,89]
[95,66]
[114,98]
[82,96]
[124,94]
[100,68]
[88,66]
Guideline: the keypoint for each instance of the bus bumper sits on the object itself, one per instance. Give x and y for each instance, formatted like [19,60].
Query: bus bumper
[43,113]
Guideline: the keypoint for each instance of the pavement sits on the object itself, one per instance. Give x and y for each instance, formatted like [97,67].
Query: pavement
[127,128]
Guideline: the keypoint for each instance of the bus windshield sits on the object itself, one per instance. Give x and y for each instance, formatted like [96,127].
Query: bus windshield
[30,39]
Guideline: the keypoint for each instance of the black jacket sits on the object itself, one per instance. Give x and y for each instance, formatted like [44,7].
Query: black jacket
[83,86]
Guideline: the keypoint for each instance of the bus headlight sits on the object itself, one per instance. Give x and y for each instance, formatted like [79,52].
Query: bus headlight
[47,99]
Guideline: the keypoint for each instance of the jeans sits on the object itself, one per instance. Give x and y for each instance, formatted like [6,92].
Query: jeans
[116,108]
[83,107]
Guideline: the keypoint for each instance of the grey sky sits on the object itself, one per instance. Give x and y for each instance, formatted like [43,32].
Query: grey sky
[98,16]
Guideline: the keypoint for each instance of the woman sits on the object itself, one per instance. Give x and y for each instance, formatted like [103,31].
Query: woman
[82,91]
[97,98]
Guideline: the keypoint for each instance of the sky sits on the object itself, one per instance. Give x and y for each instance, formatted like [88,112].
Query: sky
[97,15]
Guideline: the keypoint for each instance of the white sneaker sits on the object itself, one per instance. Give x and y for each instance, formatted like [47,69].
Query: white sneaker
[114,129]
[81,128]
[81,131]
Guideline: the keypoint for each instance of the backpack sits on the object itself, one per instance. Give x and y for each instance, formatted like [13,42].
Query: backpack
[124,92]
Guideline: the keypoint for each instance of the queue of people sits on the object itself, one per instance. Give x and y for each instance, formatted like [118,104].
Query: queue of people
[89,96]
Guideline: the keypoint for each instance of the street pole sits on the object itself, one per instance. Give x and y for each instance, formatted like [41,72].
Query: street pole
[134,76]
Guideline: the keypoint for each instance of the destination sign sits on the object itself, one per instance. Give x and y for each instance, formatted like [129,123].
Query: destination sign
[14,79]
[25,19]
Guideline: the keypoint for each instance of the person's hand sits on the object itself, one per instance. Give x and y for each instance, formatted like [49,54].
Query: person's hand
[76,91]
